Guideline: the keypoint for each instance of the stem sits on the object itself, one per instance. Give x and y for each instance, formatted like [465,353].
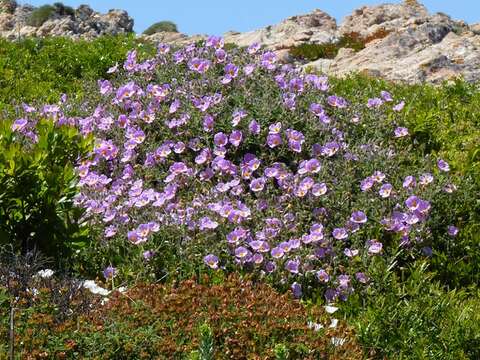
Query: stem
[12,333]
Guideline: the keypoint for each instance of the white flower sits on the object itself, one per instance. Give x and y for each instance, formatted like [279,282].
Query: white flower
[94,288]
[45,274]
[334,323]
[330,309]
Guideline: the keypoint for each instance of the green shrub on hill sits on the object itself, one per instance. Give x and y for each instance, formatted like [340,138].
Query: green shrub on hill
[38,184]
[162,26]
[40,15]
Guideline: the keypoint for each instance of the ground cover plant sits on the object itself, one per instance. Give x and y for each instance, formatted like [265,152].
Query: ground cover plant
[158,321]
[208,160]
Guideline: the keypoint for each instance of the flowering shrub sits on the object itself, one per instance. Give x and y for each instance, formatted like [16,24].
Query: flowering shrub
[253,164]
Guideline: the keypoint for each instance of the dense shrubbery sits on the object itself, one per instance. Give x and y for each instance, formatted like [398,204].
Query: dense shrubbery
[38,182]
[40,70]
[257,165]
[161,26]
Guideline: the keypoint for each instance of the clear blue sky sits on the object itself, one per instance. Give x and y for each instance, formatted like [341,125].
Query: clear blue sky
[218,16]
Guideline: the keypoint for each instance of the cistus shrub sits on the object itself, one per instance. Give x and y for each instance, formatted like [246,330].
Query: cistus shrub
[258,166]
[233,319]
[161,26]
[40,15]
[63,10]
[38,182]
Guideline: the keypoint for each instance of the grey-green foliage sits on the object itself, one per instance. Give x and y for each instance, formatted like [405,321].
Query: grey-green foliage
[162,26]
[40,15]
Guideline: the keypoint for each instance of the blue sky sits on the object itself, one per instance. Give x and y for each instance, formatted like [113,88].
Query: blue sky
[218,16]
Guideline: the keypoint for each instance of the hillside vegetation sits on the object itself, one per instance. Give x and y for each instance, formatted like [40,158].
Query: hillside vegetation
[215,181]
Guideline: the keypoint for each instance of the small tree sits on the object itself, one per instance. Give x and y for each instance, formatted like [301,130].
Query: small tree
[162,26]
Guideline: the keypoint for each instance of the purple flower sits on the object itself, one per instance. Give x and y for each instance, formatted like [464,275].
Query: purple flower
[452,230]
[216,42]
[425,179]
[206,223]
[19,124]
[211,261]
[268,60]
[399,106]
[277,252]
[412,203]
[109,272]
[257,185]
[385,190]
[199,65]
[361,277]
[253,48]
[350,252]
[105,87]
[337,101]
[236,138]
[297,290]
[400,132]
[375,102]
[340,233]
[409,182]
[242,252]
[367,183]
[208,123]
[274,140]
[319,189]
[443,165]
[292,266]
[220,139]
[254,127]
[147,255]
[374,247]
[231,72]
[323,276]
[386,96]
[358,217]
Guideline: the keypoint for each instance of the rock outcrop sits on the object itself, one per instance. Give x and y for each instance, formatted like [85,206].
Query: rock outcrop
[403,42]
[82,23]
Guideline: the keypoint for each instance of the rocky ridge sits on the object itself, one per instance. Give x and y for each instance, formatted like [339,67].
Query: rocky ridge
[84,22]
[404,42]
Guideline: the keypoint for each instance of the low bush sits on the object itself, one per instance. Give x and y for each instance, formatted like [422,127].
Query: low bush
[40,15]
[162,26]
[227,318]
[38,182]
[352,40]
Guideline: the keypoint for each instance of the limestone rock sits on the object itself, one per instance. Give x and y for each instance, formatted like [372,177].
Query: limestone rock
[317,27]
[85,23]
